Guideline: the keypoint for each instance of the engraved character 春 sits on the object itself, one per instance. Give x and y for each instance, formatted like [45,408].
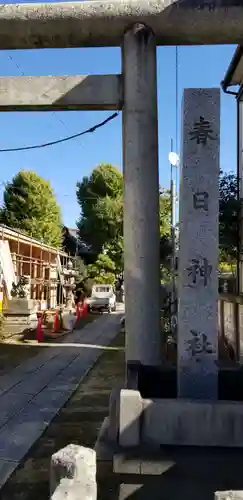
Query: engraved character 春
[202,131]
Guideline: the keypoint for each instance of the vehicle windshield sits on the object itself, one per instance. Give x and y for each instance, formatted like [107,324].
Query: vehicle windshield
[102,289]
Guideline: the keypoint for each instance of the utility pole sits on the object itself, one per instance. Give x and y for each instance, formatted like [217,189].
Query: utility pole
[173,158]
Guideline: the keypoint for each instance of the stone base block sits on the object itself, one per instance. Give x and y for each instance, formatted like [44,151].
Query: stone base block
[169,445]
[131,408]
[21,306]
[141,461]
[136,422]
[192,423]
[141,473]
[105,449]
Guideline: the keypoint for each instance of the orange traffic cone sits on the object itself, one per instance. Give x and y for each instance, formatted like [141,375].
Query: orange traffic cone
[84,309]
[56,323]
[78,312]
[39,330]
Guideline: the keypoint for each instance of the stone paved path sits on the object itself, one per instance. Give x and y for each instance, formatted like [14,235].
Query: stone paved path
[34,392]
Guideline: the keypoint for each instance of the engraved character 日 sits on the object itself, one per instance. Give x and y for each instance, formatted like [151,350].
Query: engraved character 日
[200,200]
[199,268]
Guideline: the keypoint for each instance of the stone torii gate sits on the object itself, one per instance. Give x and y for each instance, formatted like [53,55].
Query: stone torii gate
[138,26]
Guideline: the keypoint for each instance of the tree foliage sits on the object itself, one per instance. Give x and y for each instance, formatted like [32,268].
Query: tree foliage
[100,197]
[165,228]
[165,250]
[165,212]
[30,205]
[115,250]
[229,206]
[103,270]
[228,220]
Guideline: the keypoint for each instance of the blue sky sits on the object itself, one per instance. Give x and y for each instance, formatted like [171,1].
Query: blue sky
[64,164]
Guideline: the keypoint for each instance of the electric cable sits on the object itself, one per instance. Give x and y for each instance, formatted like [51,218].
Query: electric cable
[65,139]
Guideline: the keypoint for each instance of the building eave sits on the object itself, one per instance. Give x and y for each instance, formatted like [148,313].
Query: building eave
[6,231]
[234,73]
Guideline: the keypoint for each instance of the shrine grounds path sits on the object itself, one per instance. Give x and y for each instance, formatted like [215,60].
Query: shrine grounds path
[34,392]
[16,349]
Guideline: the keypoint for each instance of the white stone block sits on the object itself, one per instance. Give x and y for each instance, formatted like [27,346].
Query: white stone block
[198,256]
[228,495]
[131,407]
[74,463]
[70,489]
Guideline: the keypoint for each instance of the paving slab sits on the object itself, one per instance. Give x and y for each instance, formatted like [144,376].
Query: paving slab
[20,433]
[8,381]
[12,403]
[69,378]
[47,399]
[6,469]
[34,393]
[41,378]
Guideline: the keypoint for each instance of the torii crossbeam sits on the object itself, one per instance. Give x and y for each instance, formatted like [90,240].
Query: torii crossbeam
[103,23]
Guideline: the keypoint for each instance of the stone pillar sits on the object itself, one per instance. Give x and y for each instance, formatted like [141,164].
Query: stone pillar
[35,285]
[198,257]
[141,198]
[43,284]
[240,175]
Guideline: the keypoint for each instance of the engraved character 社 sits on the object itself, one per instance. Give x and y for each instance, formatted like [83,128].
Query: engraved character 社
[198,344]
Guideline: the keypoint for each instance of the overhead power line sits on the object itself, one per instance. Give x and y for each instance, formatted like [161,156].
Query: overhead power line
[55,114]
[65,139]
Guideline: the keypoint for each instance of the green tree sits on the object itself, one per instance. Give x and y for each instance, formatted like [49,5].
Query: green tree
[103,270]
[229,207]
[165,228]
[165,212]
[30,205]
[115,250]
[100,197]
